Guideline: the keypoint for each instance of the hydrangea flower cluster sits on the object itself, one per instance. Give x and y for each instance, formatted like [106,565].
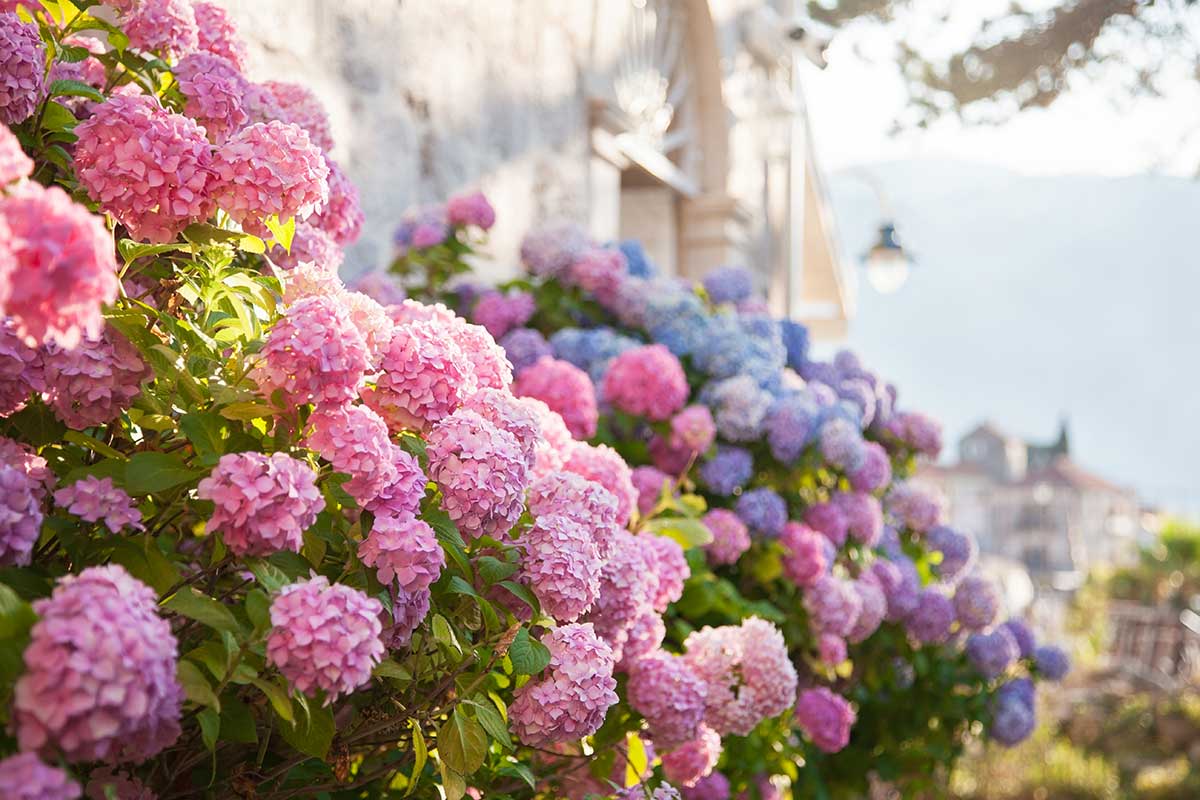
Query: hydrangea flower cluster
[62,267]
[481,471]
[324,637]
[747,674]
[99,682]
[93,382]
[502,312]
[425,376]
[25,777]
[20,515]
[22,69]
[646,382]
[403,549]
[664,689]
[570,699]
[218,33]
[342,217]
[730,537]
[561,563]
[692,762]
[299,106]
[262,504]
[14,164]
[163,26]
[602,464]
[151,169]
[214,89]
[826,718]
[565,389]
[97,499]
[313,354]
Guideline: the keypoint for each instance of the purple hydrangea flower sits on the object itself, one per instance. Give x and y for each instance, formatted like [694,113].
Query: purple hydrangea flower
[1013,716]
[790,426]
[1052,662]
[930,621]
[992,653]
[763,511]
[25,777]
[1023,635]
[739,407]
[958,551]
[666,691]
[842,444]
[728,470]
[976,603]
[833,605]
[728,284]
[826,718]
[524,346]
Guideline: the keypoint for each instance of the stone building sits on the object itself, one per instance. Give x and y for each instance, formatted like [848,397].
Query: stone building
[1033,504]
[677,122]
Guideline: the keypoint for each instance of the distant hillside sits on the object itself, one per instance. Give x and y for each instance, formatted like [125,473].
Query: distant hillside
[1036,297]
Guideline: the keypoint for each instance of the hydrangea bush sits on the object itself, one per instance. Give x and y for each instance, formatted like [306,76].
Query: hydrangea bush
[265,535]
[873,646]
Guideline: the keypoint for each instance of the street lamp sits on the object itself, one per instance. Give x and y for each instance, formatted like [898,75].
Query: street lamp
[886,262]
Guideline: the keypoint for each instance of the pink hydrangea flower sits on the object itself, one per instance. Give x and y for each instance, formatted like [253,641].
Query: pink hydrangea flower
[488,359]
[122,785]
[471,208]
[831,649]
[372,322]
[669,565]
[99,682]
[269,169]
[311,246]
[649,482]
[22,69]
[481,471]
[872,608]
[425,377]
[21,456]
[324,637]
[24,777]
[826,718]
[665,690]
[602,464]
[692,761]
[162,26]
[923,434]
[731,538]
[932,618]
[20,515]
[151,169]
[714,786]
[97,499]
[571,698]
[342,217]
[408,612]
[218,33]
[598,271]
[20,370]
[308,279]
[213,88]
[403,485]
[875,471]
[805,558]
[863,514]
[262,503]
[693,430]
[403,549]
[746,671]
[585,501]
[643,637]
[829,519]
[301,107]
[354,439]
[833,605]
[92,383]
[500,312]
[566,389]
[551,453]
[628,586]
[913,507]
[646,381]
[561,564]
[313,354]
[512,414]
[63,268]
[14,164]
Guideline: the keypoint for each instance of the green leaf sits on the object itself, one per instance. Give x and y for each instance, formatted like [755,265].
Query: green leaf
[196,605]
[529,657]
[210,727]
[282,231]
[520,771]
[141,556]
[94,444]
[492,722]
[390,669]
[37,425]
[58,117]
[258,609]
[462,743]
[207,432]
[73,54]
[131,250]
[688,532]
[523,594]
[458,586]
[237,721]
[453,784]
[278,697]
[420,755]
[70,88]
[312,736]
[149,472]
[196,686]
[271,577]
[493,570]
[16,618]
[444,634]
[246,411]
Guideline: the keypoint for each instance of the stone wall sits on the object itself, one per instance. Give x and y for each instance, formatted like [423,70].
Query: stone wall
[428,97]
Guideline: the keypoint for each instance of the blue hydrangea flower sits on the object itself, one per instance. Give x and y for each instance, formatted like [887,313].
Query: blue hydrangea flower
[728,470]
[635,256]
[763,511]
[1013,718]
[523,346]
[842,444]
[861,395]
[992,653]
[675,317]
[791,424]
[1023,635]
[739,407]
[1052,662]
[728,284]
[795,342]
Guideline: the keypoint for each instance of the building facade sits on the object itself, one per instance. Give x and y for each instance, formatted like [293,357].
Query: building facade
[1032,504]
[680,123]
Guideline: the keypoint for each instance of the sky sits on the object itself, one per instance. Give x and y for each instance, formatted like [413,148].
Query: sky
[1092,130]
[1052,253]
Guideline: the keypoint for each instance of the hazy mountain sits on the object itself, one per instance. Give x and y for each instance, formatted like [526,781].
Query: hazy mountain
[1038,297]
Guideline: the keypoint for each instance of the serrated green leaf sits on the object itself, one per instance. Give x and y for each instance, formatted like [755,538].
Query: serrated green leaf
[141,556]
[312,736]
[208,432]
[269,576]
[37,424]
[246,411]
[58,117]
[390,669]
[492,722]
[196,605]
[71,88]
[529,657]
[520,771]
[523,594]
[150,472]
[16,618]
[196,686]
[462,743]
[95,445]
[453,784]
[493,570]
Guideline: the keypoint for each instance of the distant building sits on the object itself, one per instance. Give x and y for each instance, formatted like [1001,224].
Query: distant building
[1033,504]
